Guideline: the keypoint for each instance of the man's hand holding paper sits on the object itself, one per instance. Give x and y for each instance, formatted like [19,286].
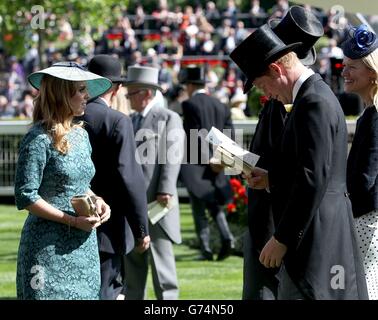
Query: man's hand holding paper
[163,199]
[231,155]
[258,179]
[160,207]
[215,165]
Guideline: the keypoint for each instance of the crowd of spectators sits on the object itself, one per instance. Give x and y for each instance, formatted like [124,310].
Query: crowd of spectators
[168,38]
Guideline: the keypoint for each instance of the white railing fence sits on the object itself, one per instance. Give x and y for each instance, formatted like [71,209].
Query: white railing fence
[11,133]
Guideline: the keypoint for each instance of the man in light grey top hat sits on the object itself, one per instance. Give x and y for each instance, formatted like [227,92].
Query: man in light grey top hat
[159,140]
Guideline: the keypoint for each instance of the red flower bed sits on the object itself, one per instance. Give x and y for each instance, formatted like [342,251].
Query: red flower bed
[237,209]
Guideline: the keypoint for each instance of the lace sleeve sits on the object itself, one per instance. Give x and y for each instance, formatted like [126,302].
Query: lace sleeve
[30,165]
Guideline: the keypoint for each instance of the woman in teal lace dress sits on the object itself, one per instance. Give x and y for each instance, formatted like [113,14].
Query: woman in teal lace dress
[58,253]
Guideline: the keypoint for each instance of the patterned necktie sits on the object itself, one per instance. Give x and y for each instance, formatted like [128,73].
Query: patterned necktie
[137,121]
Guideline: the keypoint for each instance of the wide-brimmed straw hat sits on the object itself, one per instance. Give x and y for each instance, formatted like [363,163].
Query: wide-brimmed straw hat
[143,76]
[72,71]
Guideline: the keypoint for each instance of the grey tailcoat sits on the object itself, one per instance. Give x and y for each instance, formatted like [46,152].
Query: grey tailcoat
[159,141]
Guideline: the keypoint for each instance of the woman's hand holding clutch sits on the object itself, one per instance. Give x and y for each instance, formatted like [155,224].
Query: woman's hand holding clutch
[102,209]
[92,211]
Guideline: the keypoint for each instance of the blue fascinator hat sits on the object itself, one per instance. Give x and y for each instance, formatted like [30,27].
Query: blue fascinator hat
[360,42]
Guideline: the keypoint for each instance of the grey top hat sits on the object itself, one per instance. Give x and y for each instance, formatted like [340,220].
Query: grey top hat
[72,71]
[299,25]
[143,76]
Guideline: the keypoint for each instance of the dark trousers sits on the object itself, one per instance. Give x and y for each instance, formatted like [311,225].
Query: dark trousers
[259,283]
[202,224]
[111,277]
[287,289]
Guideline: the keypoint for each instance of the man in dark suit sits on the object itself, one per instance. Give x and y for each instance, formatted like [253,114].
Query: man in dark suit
[259,282]
[160,139]
[118,179]
[207,185]
[314,232]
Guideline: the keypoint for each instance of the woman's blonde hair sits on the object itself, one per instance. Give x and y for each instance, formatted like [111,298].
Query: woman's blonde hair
[120,103]
[53,109]
[371,61]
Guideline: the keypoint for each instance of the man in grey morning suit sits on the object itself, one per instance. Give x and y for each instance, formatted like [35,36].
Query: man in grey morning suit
[159,138]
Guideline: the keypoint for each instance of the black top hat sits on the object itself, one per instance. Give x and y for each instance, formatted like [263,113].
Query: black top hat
[193,74]
[106,66]
[299,24]
[360,42]
[257,51]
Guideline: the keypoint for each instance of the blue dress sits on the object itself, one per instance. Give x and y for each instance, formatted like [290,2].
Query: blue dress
[55,261]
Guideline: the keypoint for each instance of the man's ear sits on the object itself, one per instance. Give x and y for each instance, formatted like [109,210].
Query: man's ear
[117,87]
[275,70]
[150,94]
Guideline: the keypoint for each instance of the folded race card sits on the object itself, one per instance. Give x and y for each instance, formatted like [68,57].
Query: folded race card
[156,211]
[230,154]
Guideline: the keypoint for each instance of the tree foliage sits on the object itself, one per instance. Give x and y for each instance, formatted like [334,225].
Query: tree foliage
[17,34]
[16,19]
[243,5]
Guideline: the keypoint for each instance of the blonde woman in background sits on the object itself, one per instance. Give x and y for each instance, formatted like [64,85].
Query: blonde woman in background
[120,103]
[361,77]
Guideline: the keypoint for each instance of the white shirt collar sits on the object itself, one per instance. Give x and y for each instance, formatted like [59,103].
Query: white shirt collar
[199,91]
[106,102]
[304,76]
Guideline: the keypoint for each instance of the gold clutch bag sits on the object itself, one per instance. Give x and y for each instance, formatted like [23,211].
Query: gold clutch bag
[84,205]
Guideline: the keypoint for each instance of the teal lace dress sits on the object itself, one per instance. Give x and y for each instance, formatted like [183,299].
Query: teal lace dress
[55,261]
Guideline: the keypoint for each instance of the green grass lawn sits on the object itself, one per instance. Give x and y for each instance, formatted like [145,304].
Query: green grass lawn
[197,279]
[11,221]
